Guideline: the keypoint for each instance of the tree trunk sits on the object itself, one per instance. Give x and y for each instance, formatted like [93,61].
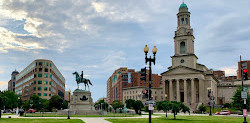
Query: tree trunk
[174,116]
[166,114]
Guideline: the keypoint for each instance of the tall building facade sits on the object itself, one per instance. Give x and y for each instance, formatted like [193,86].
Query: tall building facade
[129,79]
[186,80]
[12,82]
[42,78]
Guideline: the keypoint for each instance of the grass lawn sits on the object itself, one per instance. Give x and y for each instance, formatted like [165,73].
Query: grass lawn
[55,115]
[16,120]
[183,119]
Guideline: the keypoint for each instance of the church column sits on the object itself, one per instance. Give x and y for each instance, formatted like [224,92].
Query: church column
[178,90]
[170,90]
[193,93]
[201,90]
[185,91]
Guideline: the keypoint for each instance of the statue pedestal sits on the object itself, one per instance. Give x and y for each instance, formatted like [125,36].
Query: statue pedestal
[82,103]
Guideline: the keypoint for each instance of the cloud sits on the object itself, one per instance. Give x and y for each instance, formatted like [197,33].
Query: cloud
[3,85]
[230,71]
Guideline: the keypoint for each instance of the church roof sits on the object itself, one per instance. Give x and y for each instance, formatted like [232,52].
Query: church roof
[180,66]
[183,5]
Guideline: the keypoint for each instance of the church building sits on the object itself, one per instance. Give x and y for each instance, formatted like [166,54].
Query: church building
[186,80]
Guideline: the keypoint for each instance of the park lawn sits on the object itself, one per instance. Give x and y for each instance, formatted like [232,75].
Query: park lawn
[55,115]
[183,119]
[21,120]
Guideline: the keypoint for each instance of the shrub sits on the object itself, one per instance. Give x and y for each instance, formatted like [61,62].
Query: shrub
[227,105]
[202,108]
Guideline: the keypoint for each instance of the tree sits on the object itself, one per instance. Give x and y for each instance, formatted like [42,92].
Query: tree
[102,105]
[137,106]
[36,102]
[130,103]
[176,107]
[10,99]
[55,102]
[26,104]
[46,106]
[65,104]
[166,106]
[238,101]
[202,108]
[117,104]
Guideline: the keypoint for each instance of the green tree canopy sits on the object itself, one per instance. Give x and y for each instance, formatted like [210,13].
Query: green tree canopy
[130,103]
[117,104]
[238,101]
[137,105]
[55,102]
[102,105]
[9,99]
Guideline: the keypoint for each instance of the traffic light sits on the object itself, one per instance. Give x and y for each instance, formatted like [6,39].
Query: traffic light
[145,94]
[143,74]
[245,75]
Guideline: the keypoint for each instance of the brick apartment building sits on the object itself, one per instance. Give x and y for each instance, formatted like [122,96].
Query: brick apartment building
[127,78]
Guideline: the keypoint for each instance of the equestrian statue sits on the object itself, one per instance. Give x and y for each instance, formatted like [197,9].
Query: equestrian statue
[80,79]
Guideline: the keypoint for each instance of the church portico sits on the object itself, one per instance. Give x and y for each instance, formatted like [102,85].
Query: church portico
[184,90]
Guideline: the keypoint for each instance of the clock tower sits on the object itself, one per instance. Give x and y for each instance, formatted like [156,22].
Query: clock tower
[184,40]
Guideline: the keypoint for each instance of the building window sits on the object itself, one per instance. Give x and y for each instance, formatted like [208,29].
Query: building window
[49,88]
[50,65]
[46,70]
[47,64]
[182,47]
[46,75]
[45,88]
[34,88]
[34,82]
[40,75]
[50,83]
[46,82]
[49,94]
[40,63]
[40,69]
[186,20]
[34,75]
[39,94]
[39,88]
[40,82]
[182,21]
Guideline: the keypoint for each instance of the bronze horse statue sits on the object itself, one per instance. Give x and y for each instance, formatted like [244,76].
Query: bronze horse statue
[80,79]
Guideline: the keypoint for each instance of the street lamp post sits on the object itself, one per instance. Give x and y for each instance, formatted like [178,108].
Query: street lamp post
[69,105]
[150,60]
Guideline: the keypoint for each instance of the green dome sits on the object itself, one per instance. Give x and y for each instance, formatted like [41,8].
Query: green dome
[183,5]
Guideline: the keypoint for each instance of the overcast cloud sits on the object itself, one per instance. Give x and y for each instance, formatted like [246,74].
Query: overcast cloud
[99,36]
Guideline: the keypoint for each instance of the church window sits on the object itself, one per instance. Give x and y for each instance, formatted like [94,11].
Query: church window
[182,21]
[182,47]
[186,20]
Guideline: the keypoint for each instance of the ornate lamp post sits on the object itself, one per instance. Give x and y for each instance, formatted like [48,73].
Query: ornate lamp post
[150,60]
[69,105]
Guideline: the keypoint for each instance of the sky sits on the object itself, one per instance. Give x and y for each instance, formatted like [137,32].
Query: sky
[99,36]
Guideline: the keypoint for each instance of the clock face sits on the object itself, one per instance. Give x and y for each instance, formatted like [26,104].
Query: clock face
[182,61]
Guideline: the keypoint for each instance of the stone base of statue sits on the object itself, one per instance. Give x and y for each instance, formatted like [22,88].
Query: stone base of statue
[82,103]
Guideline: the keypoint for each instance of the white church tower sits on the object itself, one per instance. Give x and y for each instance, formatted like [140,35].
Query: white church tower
[186,80]
[184,40]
